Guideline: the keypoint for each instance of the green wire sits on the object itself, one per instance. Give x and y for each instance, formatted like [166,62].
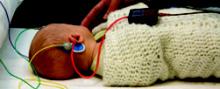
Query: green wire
[17,76]
[16,41]
[32,67]
[16,50]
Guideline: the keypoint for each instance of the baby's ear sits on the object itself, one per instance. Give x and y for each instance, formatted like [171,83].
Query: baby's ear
[76,37]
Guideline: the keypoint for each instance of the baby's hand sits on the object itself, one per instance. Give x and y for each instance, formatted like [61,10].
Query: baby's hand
[110,4]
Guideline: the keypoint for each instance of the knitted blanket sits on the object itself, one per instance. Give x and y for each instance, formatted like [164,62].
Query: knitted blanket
[178,46]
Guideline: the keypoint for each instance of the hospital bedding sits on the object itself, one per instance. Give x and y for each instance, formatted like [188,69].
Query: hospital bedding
[18,66]
[10,6]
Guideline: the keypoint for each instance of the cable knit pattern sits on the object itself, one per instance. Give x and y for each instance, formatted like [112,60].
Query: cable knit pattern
[178,46]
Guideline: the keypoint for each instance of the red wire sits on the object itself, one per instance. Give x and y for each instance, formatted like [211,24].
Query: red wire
[74,66]
[99,51]
[113,23]
[164,14]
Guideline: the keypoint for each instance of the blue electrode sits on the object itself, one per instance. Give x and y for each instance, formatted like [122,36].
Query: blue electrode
[78,48]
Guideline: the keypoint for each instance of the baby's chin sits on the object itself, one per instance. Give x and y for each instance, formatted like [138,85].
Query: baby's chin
[54,64]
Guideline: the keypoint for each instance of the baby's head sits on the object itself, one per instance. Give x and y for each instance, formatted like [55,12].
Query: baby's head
[55,63]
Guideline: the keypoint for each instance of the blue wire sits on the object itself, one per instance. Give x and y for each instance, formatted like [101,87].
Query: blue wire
[10,41]
[5,12]
[9,31]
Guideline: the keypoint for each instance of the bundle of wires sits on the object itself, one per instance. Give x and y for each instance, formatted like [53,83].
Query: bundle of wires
[43,82]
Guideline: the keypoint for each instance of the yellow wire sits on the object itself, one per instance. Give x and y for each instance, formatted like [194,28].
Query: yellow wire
[44,82]
[45,48]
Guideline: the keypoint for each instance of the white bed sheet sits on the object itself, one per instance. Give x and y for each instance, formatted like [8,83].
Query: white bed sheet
[10,6]
[18,66]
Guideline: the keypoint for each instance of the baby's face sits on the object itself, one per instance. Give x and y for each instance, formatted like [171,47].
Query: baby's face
[55,63]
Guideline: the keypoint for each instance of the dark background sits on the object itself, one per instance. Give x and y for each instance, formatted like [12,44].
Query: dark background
[37,13]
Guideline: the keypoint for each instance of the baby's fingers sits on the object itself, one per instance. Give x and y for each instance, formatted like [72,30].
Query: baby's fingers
[114,4]
[93,13]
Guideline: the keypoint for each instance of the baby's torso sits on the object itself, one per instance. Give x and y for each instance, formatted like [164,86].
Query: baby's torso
[178,46]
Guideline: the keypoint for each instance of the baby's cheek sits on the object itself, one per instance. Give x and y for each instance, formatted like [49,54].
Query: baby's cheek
[54,64]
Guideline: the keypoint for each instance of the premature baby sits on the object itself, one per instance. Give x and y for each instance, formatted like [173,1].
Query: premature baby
[55,63]
[137,55]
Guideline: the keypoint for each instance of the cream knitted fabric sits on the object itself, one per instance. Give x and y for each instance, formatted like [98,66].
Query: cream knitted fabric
[178,46]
